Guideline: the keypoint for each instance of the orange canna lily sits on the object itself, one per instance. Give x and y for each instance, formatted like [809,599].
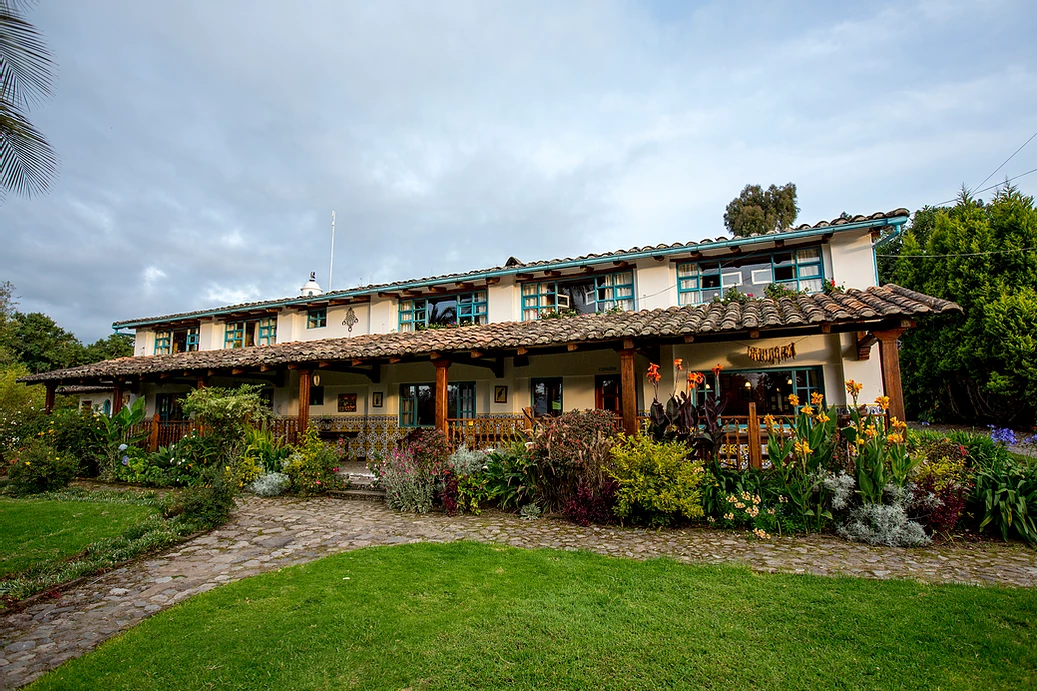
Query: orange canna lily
[679,364]
[653,373]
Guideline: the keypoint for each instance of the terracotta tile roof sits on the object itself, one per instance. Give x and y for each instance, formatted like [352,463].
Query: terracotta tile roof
[514,266]
[873,305]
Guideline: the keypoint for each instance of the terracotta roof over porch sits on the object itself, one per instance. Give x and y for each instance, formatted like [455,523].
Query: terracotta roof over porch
[884,306]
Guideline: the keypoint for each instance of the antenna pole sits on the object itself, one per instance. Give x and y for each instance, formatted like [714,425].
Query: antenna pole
[331,268]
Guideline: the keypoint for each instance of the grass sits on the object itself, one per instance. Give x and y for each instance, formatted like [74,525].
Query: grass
[45,531]
[470,616]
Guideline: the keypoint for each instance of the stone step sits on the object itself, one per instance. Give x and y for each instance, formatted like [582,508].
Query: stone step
[358,494]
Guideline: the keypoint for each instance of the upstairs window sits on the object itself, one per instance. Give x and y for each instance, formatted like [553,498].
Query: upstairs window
[463,309]
[245,334]
[583,295]
[317,318]
[799,269]
[176,341]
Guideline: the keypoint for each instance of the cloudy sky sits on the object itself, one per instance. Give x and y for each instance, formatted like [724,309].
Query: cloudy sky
[204,144]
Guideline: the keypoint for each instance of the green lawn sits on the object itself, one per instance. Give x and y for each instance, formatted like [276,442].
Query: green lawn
[470,616]
[44,530]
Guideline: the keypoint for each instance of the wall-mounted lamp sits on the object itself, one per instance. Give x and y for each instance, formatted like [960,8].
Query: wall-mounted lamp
[748,385]
[315,379]
[789,382]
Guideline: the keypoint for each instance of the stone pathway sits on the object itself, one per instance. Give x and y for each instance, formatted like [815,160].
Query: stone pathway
[268,534]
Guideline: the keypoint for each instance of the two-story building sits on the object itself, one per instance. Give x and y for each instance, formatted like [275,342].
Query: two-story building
[797,311]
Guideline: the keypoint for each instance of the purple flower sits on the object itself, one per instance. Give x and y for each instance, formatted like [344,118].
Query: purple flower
[1004,436]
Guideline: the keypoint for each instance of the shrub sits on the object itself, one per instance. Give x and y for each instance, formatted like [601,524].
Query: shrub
[883,524]
[204,506]
[21,410]
[81,435]
[312,466]
[408,485]
[226,415]
[950,482]
[510,476]
[428,445]
[270,484]
[261,447]
[981,450]
[657,483]
[589,505]
[467,462]
[571,450]
[38,467]
[1006,497]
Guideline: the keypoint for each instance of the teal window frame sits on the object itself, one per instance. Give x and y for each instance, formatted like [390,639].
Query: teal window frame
[807,273]
[165,340]
[317,318]
[541,297]
[462,404]
[234,335]
[267,331]
[471,307]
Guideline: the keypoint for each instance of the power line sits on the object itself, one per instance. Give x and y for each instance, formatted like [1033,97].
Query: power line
[1007,160]
[987,189]
[969,254]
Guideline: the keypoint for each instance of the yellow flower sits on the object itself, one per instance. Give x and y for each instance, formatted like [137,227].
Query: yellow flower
[823,418]
[816,398]
[807,410]
[27,463]
[853,388]
[894,438]
[883,401]
[871,431]
[860,441]
[897,424]
[769,420]
[793,399]
[802,448]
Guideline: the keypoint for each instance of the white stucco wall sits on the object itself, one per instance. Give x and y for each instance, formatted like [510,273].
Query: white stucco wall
[852,260]
[656,284]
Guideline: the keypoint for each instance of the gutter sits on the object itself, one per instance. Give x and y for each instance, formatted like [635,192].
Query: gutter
[896,221]
[899,224]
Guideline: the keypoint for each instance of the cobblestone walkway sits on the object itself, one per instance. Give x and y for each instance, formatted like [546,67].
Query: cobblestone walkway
[267,534]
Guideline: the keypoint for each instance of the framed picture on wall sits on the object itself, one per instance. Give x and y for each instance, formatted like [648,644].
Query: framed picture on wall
[347,403]
[500,394]
[376,399]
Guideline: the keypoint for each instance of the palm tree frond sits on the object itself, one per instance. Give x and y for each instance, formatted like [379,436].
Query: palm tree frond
[27,162]
[25,64]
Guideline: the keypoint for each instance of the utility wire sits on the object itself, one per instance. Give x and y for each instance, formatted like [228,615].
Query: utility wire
[969,254]
[1007,160]
[987,189]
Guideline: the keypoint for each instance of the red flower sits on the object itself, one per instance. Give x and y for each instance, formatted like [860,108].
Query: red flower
[653,373]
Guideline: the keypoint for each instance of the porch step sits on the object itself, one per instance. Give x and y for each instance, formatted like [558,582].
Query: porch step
[358,494]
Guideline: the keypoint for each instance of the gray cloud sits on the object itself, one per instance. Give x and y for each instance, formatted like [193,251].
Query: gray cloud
[203,145]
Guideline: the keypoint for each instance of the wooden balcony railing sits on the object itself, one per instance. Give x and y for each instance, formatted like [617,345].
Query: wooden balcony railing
[743,443]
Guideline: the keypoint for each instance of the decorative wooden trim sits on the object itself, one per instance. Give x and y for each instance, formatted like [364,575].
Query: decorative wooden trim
[521,351]
[621,264]
[754,334]
[865,341]
[572,346]
[689,339]
[628,344]
[493,280]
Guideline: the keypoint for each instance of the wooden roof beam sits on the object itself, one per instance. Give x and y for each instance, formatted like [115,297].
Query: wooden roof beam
[493,280]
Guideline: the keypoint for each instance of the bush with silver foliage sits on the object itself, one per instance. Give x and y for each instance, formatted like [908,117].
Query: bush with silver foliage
[270,484]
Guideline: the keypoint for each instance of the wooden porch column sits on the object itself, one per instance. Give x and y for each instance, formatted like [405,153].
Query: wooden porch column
[153,436]
[48,405]
[201,382]
[442,382]
[755,441]
[628,387]
[890,358]
[304,400]
[117,398]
